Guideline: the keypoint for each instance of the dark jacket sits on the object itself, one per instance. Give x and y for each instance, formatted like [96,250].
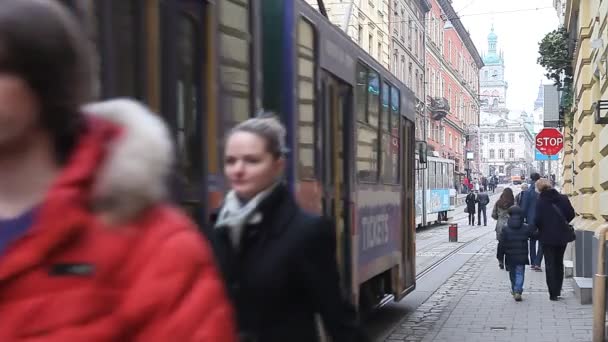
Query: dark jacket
[483,199]
[514,238]
[553,230]
[470,200]
[528,203]
[519,198]
[284,273]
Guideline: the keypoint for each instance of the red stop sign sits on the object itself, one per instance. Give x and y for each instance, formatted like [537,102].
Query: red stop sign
[549,141]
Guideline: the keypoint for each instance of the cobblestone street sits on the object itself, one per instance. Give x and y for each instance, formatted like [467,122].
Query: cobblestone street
[475,305]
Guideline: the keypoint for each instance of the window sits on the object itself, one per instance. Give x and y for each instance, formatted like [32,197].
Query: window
[511,137]
[120,48]
[370,44]
[306,100]
[360,35]
[491,138]
[391,142]
[450,140]
[431,171]
[368,106]
[501,154]
[501,138]
[385,116]
[188,97]
[492,156]
[511,153]
[379,52]
[235,61]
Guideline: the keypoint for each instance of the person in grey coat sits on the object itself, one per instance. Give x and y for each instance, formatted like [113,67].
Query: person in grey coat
[501,214]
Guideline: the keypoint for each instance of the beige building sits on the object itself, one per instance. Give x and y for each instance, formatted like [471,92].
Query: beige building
[585,158]
[366,22]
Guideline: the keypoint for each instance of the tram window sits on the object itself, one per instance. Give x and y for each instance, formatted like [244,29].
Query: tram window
[124,61]
[385,117]
[391,143]
[306,100]
[361,93]
[450,172]
[188,97]
[395,107]
[234,37]
[373,102]
[368,105]
[432,175]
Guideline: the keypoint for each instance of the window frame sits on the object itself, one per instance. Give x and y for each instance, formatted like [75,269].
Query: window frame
[316,173]
[366,122]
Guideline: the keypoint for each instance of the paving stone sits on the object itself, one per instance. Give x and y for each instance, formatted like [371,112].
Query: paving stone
[476,299]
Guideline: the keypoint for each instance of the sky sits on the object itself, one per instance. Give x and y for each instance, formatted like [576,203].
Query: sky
[519,28]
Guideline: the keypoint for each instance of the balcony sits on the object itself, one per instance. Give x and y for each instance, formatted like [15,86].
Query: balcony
[439,107]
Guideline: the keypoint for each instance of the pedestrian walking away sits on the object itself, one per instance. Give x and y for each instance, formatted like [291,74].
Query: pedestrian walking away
[470,201]
[279,262]
[90,248]
[554,213]
[529,199]
[520,195]
[514,239]
[501,213]
[482,201]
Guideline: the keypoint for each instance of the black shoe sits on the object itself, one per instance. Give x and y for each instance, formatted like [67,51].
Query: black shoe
[501,266]
[553,298]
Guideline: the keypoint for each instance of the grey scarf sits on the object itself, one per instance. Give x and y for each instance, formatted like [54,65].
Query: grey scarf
[235,215]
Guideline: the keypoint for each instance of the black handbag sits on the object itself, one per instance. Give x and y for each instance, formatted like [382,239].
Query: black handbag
[571,232]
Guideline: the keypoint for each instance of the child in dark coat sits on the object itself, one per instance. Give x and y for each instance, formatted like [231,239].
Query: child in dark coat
[514,239]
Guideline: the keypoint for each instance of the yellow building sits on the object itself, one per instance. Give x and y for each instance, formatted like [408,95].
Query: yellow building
[585,157]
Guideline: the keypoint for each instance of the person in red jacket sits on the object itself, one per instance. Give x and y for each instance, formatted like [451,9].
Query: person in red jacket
[89,250]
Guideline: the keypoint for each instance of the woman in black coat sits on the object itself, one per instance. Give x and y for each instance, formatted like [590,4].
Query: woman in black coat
[553,214]
[279,262]
[470,200]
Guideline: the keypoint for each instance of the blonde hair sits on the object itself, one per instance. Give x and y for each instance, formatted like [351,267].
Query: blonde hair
[268,127]
[524,187]
[543,184]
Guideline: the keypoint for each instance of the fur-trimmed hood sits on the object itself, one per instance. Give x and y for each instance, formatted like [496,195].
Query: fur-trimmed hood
[135,170]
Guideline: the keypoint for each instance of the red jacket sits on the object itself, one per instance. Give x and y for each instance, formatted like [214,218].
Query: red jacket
[148,276]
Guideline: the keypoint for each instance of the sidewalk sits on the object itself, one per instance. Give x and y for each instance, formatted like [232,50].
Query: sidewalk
[475,305]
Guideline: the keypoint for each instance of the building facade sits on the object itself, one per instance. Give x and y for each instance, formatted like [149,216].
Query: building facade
[493,86]
[407,46]
[452,87]
[365,22]
[585,159]
[507,146]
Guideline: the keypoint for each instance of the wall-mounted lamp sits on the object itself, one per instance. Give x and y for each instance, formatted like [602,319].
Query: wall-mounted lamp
[601,112]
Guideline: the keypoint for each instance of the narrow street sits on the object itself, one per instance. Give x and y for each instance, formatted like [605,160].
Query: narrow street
[454,277]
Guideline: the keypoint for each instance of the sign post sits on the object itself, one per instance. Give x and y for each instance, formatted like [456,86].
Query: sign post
[549,142]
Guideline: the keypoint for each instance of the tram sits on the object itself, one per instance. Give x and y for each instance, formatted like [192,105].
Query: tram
[206,66]
[435,192]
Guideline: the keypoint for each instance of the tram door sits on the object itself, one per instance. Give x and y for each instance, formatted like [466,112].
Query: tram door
[408,205]
[335,170]
[183,37]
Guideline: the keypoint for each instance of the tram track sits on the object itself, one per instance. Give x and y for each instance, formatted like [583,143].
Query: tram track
[444,258]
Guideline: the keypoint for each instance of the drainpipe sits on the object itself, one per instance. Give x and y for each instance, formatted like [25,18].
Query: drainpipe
[599,288]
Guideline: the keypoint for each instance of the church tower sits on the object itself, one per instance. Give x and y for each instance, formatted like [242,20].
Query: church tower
[492,86]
